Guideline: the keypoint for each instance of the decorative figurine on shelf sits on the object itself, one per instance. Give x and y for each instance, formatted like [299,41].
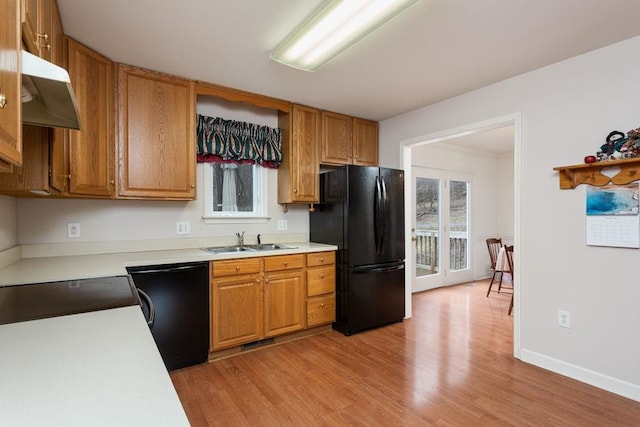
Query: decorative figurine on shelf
[632,146]
[615,141]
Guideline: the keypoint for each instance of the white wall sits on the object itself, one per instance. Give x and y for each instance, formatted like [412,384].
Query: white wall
[43,221]
[567,110]
[8,222]
[489,208]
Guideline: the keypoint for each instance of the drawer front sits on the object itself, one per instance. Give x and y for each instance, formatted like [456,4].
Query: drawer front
[283,262]
[235,266]
[321,310]
[321,258]
[321,280]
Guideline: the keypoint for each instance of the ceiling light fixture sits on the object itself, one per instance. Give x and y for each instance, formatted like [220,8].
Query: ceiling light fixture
[332,28]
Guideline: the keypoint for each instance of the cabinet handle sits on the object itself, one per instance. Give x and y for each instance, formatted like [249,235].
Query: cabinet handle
[193,186]
[3,100]
[112,182]
[322,259]
[322,275]
[321,305]
[44,36]
[295,191]
[286,263]
[237,268]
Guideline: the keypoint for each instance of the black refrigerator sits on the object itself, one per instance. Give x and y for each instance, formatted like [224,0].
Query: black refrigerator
[361,211]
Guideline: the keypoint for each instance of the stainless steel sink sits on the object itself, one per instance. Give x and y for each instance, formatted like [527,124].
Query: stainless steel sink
[228,249]
[270,247]
[247,248]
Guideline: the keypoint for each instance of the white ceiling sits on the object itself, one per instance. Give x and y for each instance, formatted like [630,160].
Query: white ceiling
[435,50]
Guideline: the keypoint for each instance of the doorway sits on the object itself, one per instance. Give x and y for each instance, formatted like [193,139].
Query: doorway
[448,138]
[441,228]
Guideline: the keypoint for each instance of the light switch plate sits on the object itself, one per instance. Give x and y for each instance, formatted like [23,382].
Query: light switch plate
[73,230]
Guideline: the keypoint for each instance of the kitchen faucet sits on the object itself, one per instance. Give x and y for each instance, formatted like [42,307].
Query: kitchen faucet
[240,239]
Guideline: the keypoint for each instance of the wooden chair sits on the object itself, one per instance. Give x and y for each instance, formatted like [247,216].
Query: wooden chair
[494,245]
[509,253]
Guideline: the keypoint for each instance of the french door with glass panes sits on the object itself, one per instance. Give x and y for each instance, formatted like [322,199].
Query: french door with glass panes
[441,228]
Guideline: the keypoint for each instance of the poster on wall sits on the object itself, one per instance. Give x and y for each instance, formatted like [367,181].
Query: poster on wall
[613,217]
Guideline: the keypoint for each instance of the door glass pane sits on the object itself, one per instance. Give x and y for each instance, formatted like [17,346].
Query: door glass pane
[427,226]
[458,225]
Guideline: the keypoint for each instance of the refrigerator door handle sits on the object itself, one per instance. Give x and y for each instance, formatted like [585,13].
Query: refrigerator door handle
[378,216]
[378,269]
[385,215]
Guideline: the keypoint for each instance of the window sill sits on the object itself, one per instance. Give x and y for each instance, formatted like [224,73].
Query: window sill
[235,219]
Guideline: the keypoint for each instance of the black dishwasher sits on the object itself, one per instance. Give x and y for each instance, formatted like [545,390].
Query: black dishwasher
[178,310]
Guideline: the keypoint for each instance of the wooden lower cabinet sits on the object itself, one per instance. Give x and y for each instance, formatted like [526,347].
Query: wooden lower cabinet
[321,287]
[284,307]
[236,302]
[263,297]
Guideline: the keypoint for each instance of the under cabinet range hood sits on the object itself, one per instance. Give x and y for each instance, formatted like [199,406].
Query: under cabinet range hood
[47,96]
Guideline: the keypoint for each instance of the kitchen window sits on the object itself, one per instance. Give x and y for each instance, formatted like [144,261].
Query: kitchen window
[234,191]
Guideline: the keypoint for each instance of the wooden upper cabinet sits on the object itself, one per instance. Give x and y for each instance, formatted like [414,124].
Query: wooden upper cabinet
[348,140]
[299,171]
[91,150]
[336,138]
[42,30]
[10,84]
[365,142]
[156,144]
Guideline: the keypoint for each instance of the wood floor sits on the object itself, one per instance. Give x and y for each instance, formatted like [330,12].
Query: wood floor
[450,365]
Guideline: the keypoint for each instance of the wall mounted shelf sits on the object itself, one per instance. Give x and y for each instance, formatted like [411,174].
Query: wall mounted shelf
[591,173]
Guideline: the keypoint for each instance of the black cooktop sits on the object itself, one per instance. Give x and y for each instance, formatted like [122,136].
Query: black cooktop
[19,303]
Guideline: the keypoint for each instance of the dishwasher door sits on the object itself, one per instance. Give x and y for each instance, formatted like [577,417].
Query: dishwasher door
[180,298]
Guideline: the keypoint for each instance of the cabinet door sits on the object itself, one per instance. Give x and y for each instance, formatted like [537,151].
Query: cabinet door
[236,311]
[10,83]
[92,149]
[156,147]
[365,142]
[298,173]
[336,138]
[284,302]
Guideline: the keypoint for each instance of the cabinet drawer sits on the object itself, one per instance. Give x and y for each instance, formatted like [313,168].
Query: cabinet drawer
[321,258]
[321,280]
[283,262]
[235,266]
[321,310]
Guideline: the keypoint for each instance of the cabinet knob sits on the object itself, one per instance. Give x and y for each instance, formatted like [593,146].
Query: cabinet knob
[3,100]
[322,276]
[286,263]
[322,259]
[266,280]
[44,36]
[193,186]
[295,191]
[321,305]
[237,268]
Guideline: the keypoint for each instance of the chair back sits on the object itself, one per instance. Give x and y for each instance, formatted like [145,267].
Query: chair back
[494,246]
[508,251]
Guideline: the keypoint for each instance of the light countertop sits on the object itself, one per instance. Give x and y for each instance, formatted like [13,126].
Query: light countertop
[54,268]
[98,368]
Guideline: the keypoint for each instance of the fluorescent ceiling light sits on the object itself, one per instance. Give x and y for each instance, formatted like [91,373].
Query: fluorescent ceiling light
[332,28]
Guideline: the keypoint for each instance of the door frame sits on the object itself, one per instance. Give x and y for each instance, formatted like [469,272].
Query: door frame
[406,146]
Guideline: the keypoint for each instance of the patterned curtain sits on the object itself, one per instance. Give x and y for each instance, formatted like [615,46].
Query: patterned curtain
[231,141]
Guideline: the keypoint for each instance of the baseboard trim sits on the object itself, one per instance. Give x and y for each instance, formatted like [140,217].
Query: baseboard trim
[587,376]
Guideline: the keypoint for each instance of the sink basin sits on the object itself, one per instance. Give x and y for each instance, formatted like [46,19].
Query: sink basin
[247,248]
[269,247]
[228,249]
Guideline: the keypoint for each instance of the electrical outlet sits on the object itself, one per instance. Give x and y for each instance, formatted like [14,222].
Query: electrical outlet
[183,227]
[564,318]
[73,230]
[282,225]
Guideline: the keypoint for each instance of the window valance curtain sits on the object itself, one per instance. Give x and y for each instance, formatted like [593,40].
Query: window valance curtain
[231,141]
